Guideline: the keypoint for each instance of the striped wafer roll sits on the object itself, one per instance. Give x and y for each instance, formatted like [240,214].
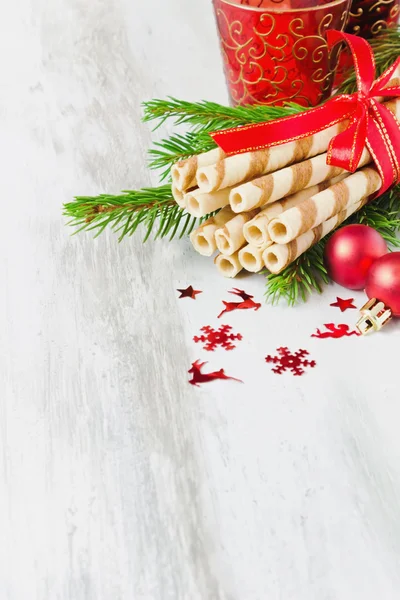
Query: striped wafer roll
[287,181]
[178,196]
[251,257]
[278,256]
[203,238]
[236,169]
[200,205]
[230,237]
[256,230]
[228,266]
[233,170]
[183,173]
[324,205]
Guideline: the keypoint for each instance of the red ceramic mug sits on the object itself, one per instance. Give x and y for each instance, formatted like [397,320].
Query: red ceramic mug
[367,18]
[275,51]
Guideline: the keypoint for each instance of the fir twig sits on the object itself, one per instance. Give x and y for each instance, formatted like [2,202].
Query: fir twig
[178,147]
[211,115]
[125,212]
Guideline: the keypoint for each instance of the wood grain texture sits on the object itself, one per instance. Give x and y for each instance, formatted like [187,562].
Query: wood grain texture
[117,480]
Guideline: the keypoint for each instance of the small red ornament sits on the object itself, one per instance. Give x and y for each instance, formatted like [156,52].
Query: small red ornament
[350,253]
[335,331]
[189,292]
[247,302]
[290,361]
[212,338]
[199,377]
[343,304]
[383,290]
[383,281]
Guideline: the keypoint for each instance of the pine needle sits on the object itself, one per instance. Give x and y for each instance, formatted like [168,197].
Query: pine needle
[125,212]
[210,115]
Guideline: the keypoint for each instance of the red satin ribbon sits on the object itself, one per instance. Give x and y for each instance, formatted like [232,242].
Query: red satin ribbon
[371,124]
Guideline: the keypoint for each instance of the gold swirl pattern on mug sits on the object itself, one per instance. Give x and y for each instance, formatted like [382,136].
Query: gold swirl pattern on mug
[316,48]
[247,52]
[379,4]
[378,26]
[385,11]
[242,52]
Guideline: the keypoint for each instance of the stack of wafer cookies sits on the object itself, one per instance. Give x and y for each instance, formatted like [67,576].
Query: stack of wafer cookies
[272,204]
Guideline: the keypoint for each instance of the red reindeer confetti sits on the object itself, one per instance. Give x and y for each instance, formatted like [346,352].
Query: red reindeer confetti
[343,304]
[247,302]
[189,293]
[212,338]
[288,361]
[335,331]
[199,377]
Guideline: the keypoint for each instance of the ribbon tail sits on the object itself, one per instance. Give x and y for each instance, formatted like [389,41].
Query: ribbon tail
[385,146]
[380,83]
[363,57]
[345,149]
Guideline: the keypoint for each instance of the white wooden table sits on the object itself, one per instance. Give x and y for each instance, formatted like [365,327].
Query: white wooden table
[118,480]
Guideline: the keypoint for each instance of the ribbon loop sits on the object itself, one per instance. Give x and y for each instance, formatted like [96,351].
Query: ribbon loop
[370,124]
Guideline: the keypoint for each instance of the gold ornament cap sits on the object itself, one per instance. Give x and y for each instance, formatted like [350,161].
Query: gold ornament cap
[374,315]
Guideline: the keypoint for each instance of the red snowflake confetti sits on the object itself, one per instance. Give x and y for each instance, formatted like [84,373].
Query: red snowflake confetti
[343,304]
[213,338]
[335,331]
[288,361]
[199,377]
[247,302]
[189,293]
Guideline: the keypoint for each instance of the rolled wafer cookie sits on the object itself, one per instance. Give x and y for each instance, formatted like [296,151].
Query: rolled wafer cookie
[183,173]
[230,237]
[279,256]
[178,196]
[228,266]
[200,205]
[233,170]
[324,205]
[203,238]
[287,181]
[256,230]
[236,169]
[251,257]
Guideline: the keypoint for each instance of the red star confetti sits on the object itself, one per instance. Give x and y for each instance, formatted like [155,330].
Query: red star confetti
[247,302]
[212,338]
[189,293]
[343,304]
[199,377]
[335,331]
[288,361]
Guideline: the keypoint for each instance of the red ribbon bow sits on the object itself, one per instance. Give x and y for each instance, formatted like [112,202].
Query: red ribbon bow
[371,124]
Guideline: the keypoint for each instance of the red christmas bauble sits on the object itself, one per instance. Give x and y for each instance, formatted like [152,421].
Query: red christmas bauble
[350,253]
[383,281]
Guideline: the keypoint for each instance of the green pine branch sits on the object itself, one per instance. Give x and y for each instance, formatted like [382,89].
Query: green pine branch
[154,208]
[210,115]
[178,147]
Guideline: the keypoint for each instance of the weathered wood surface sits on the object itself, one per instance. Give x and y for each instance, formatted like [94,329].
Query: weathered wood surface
[119,481]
